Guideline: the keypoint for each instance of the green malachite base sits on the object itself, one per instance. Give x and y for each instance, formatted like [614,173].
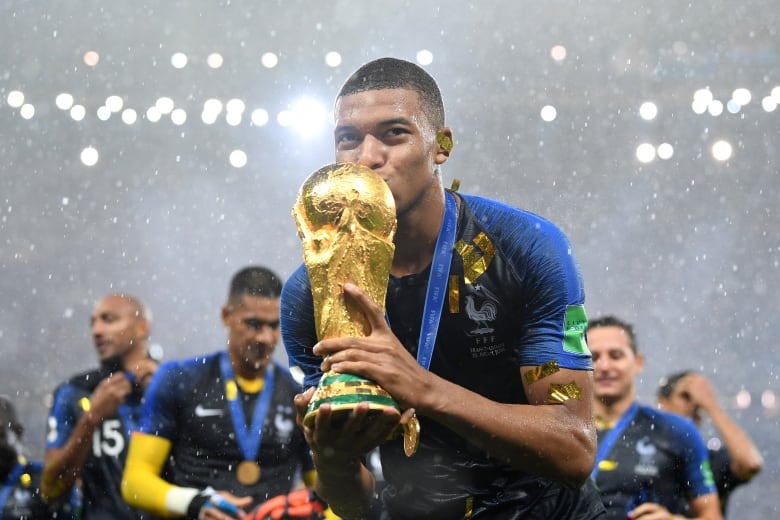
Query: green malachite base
[343,392]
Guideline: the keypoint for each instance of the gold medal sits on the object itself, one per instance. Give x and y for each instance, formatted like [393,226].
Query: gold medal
[248,472]
[411,436]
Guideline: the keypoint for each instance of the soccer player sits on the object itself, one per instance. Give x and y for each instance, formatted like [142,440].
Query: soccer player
[497,372]
[226,420]
[94,412]
[647,459]
[688,393]
[20,494]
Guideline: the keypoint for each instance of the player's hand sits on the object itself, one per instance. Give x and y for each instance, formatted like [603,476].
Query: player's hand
[109,394]
[379,357]
[143,371]
[302,504]
[224,506]
[649,511]
[699,390]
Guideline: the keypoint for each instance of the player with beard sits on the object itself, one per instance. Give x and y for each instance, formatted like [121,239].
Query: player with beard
[224,422]
[94,413]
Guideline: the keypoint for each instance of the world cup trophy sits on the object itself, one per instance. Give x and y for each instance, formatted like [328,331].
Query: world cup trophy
[345,215]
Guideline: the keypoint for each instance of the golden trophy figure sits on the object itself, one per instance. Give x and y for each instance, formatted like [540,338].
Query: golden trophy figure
[345,214]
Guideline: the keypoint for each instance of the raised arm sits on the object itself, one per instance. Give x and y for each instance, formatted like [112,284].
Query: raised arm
[746,460]
[64,462]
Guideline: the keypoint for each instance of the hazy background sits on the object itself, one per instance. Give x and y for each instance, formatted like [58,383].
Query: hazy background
[686,247]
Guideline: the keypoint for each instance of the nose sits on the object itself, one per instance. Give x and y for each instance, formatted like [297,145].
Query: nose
[266,334]
[370,153]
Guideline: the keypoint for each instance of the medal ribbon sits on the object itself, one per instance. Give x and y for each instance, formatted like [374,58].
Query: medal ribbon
[249,439]
[609,440]
[437,282]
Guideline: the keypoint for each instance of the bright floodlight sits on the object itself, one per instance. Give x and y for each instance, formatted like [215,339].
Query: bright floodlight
[64,101]
[769,104]
[153,114]
[259,117]
[741,96]
[722,151]
[212,105]
[704,95]
[715,107]
[733,107]
[235,105]
[648,110]
[91,58]
[164,105]
[208,118]
[178,117]
[776,94]
[645,152]
[233,118]
[269,60]
[558,53]
[768,399]
[333,59]
[15,98]
[548,113]
[307,117]
[237,158]
[89,156]
[424,57]
[743,399]
[77,112]
[215,60]
[179,60]
[27,111]
[129,116]
[114,103]
[665,151]
[103,113]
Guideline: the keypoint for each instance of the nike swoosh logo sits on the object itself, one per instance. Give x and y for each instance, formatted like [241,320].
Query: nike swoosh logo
[207,412]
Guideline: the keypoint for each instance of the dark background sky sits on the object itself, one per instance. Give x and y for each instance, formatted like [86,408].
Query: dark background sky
[688,248]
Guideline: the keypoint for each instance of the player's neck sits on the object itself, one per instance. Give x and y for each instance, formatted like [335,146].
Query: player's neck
[609,411]
[415,238]
[133,357]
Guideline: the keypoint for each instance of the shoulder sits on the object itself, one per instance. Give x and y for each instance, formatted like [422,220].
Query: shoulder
[672,424]
[187,368]
[81,383]
[493,215]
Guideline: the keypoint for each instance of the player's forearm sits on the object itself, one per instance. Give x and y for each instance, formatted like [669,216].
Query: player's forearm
[347,487]
[746,460]
[554,441]
[63,466]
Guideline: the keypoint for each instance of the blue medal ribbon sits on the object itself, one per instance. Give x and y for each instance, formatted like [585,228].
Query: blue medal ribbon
[437,282]
[609,440]
[249,439]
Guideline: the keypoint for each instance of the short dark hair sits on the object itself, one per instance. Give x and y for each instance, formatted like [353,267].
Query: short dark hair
[667,384]
[255,281]
[392,73]
[613,321]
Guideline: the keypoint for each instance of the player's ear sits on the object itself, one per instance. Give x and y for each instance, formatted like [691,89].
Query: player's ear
[444,144]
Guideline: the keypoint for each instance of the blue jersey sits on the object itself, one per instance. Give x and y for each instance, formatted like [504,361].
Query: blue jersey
[20,497]
[186,403]
[102,473]
[512,282]
[659,457]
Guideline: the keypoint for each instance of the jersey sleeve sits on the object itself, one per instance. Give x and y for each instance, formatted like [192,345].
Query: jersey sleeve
[298,329]
[62,416]
[698,473]
[549,284]
[160,405]
[555,327]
